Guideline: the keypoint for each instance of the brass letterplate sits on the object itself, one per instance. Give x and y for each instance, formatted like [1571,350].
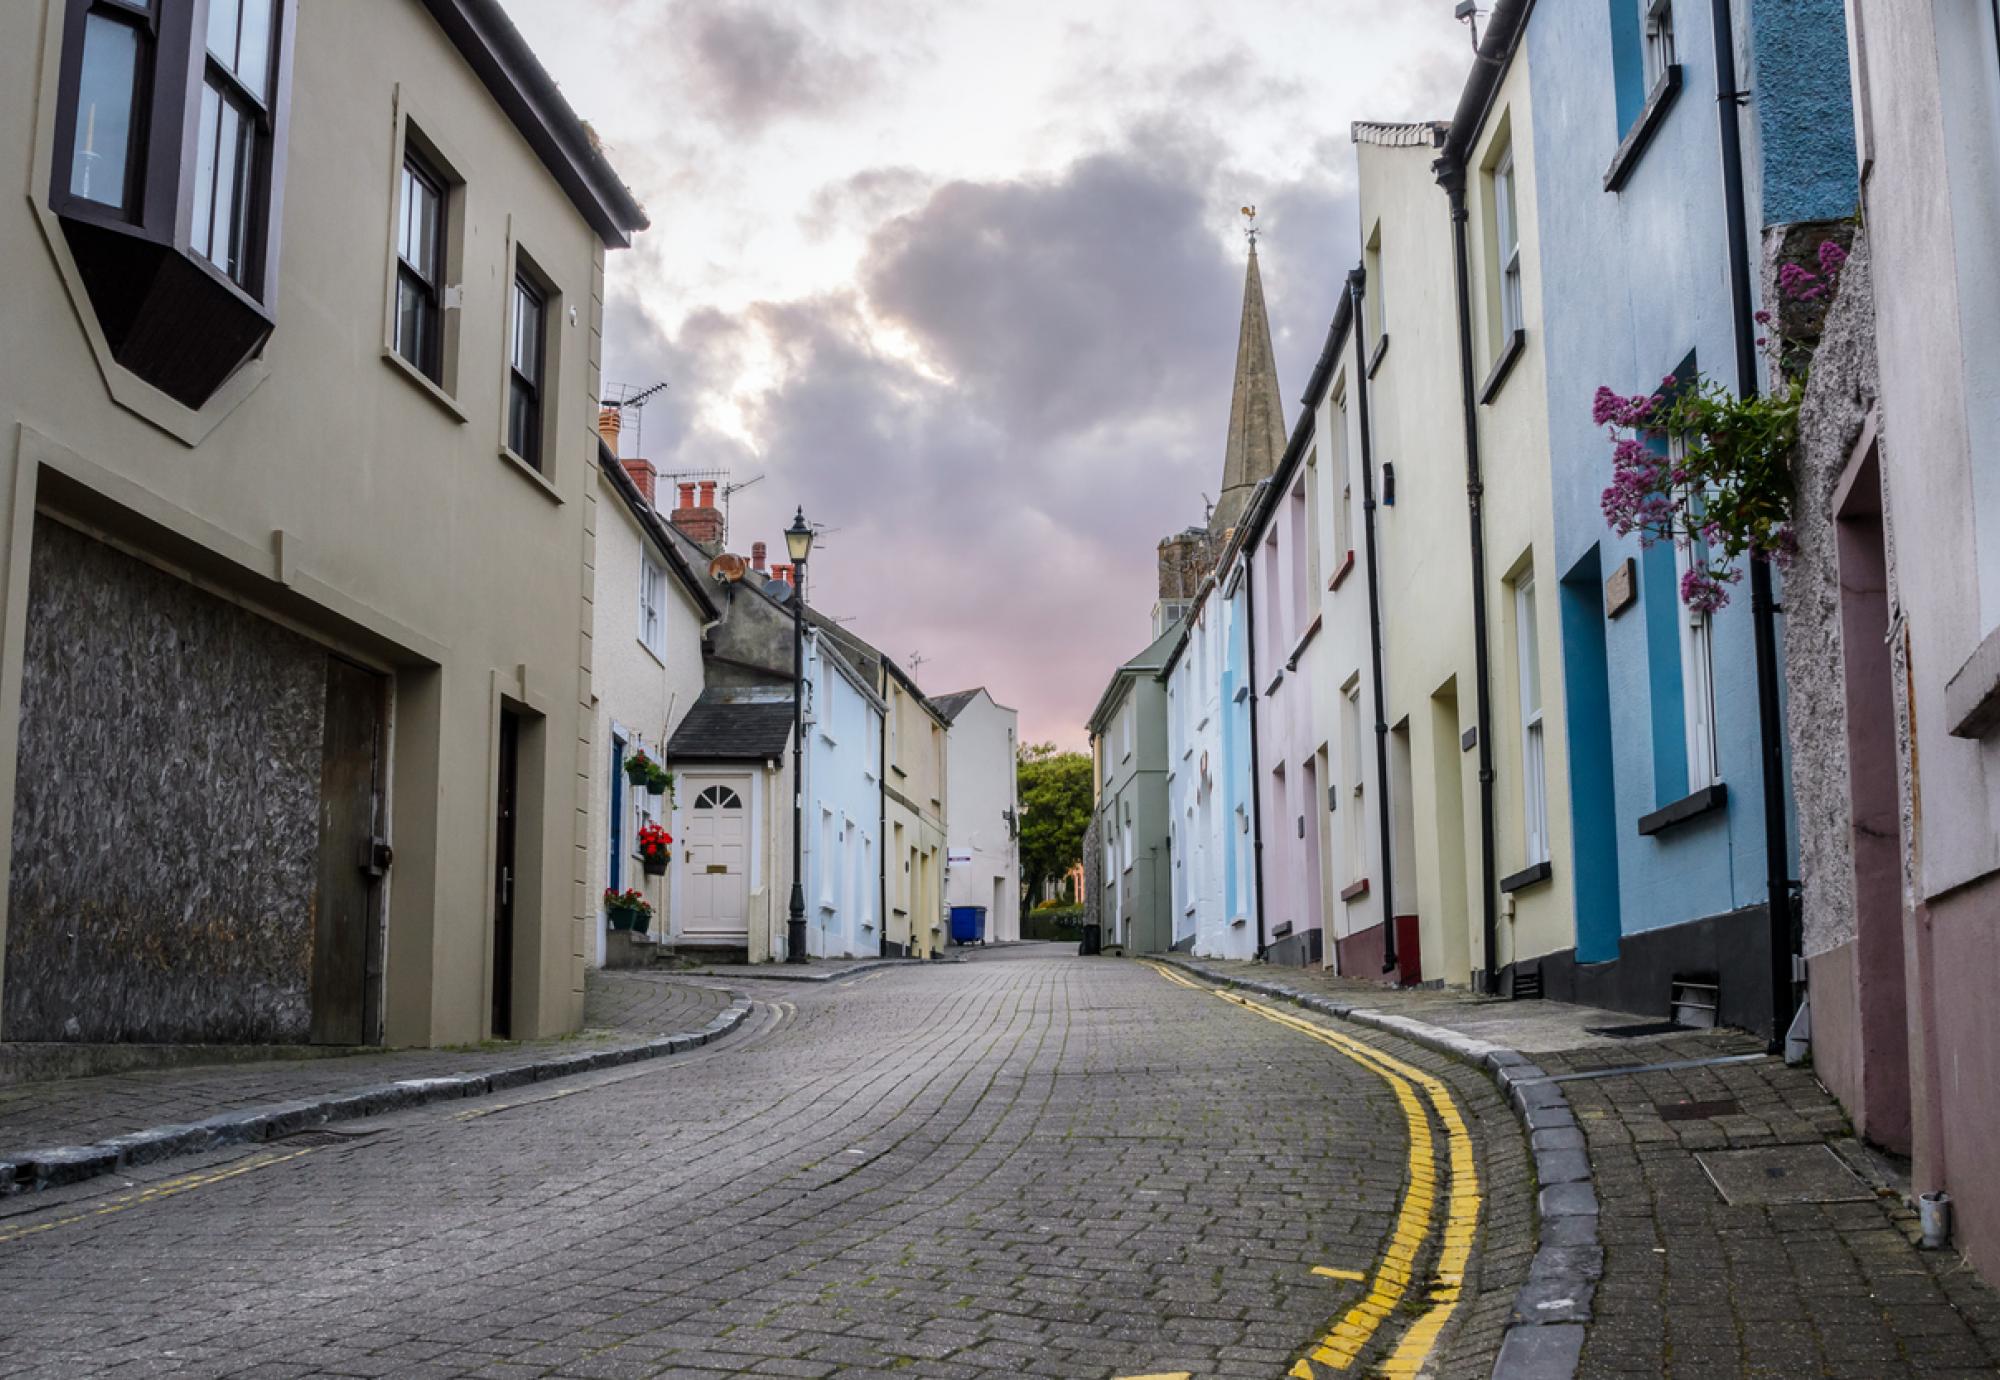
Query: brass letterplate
[714,868]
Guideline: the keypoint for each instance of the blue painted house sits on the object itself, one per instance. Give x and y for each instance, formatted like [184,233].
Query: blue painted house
[1673,871]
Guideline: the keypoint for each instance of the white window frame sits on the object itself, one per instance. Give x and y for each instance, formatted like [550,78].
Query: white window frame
[1697,637]
[1507,236]
[1534,745]
[652,604]
[1656,23]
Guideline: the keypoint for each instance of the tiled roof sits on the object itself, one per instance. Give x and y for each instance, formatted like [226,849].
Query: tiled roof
[950,705]
[1409,134]
[723,728]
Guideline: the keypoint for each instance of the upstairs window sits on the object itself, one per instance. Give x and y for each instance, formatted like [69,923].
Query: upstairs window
[524,383]
[420,267]
[233,138]
[1658,30]
[170,124]
[1534,756]
[1507,236]
[652,605]
[108,108]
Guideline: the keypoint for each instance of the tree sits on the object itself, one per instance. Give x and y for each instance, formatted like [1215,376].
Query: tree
[1055,810]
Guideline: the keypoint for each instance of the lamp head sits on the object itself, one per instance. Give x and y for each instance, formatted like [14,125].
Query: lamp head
[799,538]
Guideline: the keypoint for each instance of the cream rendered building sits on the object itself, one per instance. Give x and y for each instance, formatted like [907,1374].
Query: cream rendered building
[1430,685]
[1531,815]
[982,773]
[298,467]
[914,817]
[650,609]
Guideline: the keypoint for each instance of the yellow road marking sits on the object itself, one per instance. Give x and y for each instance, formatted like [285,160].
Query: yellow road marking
[475,1113]
[1162,1375]
[1345,1341]
[1331,1273]
[166,1188]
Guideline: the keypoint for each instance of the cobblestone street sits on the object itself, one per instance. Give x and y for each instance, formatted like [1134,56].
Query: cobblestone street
[1030,1164]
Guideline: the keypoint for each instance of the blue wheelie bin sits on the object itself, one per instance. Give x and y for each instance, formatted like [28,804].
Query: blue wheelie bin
[968,924]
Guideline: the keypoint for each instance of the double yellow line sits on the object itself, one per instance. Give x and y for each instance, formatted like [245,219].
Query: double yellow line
[166,1188]
[1394,1277]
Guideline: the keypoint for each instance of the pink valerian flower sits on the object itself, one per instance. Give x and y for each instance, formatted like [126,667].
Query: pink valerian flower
[1702,587]
[1800,283]
[1832,258]
[1782,548]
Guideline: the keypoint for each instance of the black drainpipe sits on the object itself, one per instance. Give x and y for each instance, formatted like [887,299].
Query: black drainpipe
[1763,610]
[1357,288]
[1256,775]
[1451,176]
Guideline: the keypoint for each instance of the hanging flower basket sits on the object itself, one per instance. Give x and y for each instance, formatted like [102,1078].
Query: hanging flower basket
[655,849]
[639,768]
[657,780]
[628,910]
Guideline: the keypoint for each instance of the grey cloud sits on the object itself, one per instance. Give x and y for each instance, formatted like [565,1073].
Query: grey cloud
[751,65]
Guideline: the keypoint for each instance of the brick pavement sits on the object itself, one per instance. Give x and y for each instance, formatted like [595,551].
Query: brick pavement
[1694,1287]
[74,1111]
[1030,1164]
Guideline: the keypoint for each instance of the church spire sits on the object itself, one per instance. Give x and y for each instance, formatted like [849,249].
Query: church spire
[1256,409]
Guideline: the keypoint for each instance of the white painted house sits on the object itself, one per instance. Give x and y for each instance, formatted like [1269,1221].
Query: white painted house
[1198,823]
[649,610]
[983,845]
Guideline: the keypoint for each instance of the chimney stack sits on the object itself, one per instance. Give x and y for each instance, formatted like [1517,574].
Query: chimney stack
[700,522]
[757,549]
[645,476]
[610,421]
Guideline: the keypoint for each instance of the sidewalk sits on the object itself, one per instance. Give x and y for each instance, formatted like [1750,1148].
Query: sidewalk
[1807,1268]
[57,1131]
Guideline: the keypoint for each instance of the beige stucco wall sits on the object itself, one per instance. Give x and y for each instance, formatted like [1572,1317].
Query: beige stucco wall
[1520,534]
[1426,564]
[345,497]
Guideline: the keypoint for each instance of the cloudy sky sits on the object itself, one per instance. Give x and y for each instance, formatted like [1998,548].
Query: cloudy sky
[963,278]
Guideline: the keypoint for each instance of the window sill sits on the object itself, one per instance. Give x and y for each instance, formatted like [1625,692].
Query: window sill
[651,651]
[1354,891]
[1534,874]
[1272,688]
[1340,575]
[1517,341]
[1378,354]
[1704,801]
[1972,695]
[1305,641]
[1643,129]
[531,474]
[424,384]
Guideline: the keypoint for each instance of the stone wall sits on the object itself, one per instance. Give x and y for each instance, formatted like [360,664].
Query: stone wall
[166,817]
[1839,394]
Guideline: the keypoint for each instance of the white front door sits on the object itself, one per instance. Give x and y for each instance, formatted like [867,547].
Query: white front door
[716,849]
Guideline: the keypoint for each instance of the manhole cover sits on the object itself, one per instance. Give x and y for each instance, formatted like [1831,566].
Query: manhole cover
[1782,1174]
[1698,1111]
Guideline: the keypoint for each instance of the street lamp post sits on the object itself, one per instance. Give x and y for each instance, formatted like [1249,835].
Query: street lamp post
[798,542]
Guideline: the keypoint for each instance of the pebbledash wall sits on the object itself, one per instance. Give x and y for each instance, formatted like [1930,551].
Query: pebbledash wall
[189,590]
[1630,203]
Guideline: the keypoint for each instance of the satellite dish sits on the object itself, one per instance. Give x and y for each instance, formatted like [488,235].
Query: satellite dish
[778,590]
[727,568]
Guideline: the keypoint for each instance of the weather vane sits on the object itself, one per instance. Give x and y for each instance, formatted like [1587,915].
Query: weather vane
[1250,226]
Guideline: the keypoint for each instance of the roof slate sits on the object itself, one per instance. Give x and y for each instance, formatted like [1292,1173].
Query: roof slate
[721,728]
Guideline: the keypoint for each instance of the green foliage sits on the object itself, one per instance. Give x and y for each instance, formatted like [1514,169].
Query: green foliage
[1055,922]
[1056,801]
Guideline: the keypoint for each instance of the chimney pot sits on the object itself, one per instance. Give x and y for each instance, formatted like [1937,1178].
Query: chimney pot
[757,549]
[609,422]
[708,493]
[687,498]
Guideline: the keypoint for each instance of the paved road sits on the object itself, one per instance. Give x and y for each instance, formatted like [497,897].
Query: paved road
[1027,1165]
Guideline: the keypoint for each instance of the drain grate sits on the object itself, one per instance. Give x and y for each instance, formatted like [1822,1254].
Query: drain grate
[1771,1175]
[1698,1111]
[322,1137]
[1633,1032]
